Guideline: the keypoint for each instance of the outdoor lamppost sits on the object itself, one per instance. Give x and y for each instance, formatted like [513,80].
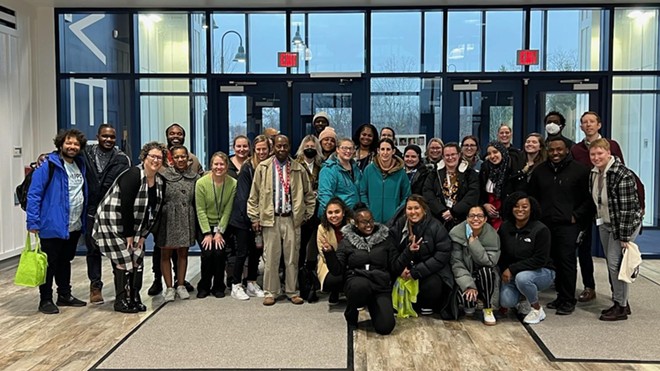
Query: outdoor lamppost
[240,54]
[302,49]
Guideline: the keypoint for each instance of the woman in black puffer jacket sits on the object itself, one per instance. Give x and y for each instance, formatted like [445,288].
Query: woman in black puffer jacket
[365,257]
[424,254]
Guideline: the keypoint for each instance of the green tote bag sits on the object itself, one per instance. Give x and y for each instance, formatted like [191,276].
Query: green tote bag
[32,267]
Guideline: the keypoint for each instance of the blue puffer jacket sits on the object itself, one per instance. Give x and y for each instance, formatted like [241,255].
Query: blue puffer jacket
[48,209]
[335,181]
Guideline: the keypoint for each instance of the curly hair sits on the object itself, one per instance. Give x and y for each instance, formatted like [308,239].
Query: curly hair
[512,200]
[70,133]
[374,143]
[153,145]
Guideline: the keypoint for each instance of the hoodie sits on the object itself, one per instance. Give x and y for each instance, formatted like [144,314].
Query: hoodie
[384,191]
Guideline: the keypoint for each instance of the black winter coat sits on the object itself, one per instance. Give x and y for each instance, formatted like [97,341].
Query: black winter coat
[418,179]
[524,249]
[99,183]
[239,217]
[371,257]
[468,192]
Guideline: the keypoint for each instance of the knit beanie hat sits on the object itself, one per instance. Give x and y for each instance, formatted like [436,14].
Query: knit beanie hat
[328,132]
[415,148]
[322,114]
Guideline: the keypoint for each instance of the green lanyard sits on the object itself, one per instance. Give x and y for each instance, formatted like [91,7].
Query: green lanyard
[215,197]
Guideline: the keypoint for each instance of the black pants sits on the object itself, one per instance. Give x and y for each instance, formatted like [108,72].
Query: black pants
[60,255]
[245,249]
[485,279]
[212,270]
[563,250]
[433,293]
[308,240]
[332,283]
[155,263]
[93,257]
[585,258]
[360,293]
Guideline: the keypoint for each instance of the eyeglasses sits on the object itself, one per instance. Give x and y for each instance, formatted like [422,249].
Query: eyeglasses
[366,222]
[155,157]
[476,216]
[346,148]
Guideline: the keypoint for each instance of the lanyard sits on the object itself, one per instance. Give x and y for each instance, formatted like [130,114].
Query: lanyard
[215,198]
[285,184]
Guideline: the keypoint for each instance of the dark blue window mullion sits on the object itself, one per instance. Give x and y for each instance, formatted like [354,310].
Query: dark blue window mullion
[132,129]
[367,69]
[247,42]
[606,42]
[483,41]
[191,98]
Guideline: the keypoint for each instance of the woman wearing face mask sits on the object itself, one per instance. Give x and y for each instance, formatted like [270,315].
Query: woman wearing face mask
[214,196]
[474,257]
[177,227]
[415,168]
[554,125]
[384,186]
[495,181]
[241,154]
[366,140]
[244,238]
[534,153]
[434,151]
[424,252]
[470,152]
[328,237]
[364,258]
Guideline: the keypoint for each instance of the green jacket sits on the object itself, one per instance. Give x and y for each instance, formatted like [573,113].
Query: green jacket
[214,208]
[384,192]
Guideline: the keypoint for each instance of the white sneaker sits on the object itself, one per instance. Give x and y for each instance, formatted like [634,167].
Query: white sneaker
[237,292]
[182,293]
[489,317]
[169,294]
[253,289]
[523,307]
[535,316]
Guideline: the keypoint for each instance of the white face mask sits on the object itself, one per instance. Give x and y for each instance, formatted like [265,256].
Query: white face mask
[552,128]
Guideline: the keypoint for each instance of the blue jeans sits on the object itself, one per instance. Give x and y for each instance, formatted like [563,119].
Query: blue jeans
[527,283]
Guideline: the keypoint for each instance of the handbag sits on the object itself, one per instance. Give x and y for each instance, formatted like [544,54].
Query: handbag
[32,266]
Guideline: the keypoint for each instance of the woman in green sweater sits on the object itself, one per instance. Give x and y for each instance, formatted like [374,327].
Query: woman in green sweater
[214,197]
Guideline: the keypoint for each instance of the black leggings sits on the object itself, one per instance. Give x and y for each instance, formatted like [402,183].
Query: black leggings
[332,283]
[246,249]
[360,293]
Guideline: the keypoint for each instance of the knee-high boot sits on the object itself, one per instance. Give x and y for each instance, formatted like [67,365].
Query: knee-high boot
[136,286]
[351,314]
[122,291]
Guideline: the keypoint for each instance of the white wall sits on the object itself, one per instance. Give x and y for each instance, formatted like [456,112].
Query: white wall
[28,115]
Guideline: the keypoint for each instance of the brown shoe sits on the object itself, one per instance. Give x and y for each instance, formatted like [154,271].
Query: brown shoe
[269,300]
[95,296]
[587,295]
[617,313]
[297,300]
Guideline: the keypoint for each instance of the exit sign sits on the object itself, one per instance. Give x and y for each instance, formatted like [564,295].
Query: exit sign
[527,57]
[287,59]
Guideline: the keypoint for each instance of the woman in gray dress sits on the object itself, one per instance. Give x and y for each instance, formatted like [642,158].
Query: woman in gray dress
[176,229]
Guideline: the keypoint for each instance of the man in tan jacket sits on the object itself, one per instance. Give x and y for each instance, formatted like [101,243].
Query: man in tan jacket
[281,199]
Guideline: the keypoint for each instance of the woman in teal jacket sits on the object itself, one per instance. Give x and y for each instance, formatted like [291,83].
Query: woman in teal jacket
[340,177]
[385,185]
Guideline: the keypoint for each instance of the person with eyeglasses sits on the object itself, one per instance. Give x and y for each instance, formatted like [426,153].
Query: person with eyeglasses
[434,150]
[178,224]
[452,189]
[365,258]
[470,152]
[339,177]
[474,257]
[126,215]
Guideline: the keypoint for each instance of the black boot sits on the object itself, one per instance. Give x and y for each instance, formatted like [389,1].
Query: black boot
[136,285]
[156,287]
[122,288]
[351,315]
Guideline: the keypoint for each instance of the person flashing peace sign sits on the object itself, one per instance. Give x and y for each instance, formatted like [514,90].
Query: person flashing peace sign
[424,253]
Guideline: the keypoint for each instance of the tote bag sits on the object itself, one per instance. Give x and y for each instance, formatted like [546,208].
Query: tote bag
[31,270]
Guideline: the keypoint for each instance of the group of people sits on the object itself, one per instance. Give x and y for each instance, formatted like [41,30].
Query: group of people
[473,231]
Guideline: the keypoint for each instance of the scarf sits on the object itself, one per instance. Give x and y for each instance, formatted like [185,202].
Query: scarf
[498,173]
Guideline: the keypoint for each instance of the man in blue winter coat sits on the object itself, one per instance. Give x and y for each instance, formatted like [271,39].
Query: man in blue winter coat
[56,211]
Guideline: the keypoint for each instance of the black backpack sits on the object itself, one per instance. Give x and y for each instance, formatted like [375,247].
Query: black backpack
[23,188]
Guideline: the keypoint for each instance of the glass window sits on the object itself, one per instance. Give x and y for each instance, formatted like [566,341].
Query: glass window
[163,43]
[635,39]
[396,49]
[636,83]
[198,26]
[431,107]
[433,48]
[572,39]
[334,42]
[338,106]
[267,37]
[633,116]
[464,41]
[94,42]
[501,51]
[395,103]
[228,43]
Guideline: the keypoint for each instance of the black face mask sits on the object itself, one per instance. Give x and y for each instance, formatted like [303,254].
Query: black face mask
[310,152]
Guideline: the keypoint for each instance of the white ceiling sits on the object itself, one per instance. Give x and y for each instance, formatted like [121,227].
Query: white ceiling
[160,4]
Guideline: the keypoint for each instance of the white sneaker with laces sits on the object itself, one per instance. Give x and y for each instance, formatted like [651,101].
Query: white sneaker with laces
[523,307]
[182,293]
[535,316]
[238,292]
[489,317]
[253,290]
[169,294]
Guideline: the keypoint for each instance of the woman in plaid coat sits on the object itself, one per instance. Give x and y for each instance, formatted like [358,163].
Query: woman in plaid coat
[123,220]
[618,217]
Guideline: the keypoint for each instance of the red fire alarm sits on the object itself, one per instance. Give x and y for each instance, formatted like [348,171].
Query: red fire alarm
[287,59]
[527,57]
